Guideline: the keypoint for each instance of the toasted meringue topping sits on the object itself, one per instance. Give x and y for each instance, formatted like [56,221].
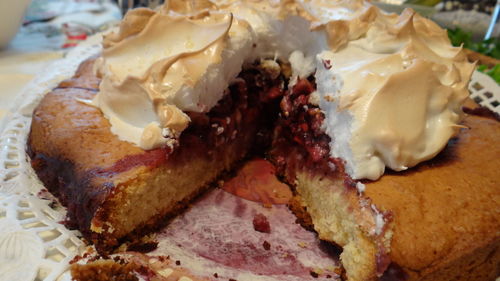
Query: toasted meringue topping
[150,77]
[342,20]
[391,87]
[396,96]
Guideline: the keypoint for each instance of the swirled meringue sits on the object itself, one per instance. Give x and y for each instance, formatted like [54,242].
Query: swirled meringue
[392,97]
[150,76]
[391,87]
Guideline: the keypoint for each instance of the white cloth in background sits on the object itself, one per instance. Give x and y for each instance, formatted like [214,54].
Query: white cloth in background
[40,42]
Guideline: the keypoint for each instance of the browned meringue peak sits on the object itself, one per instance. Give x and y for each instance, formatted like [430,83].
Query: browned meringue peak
[144,71]
[342,20]
[379,62]
[408,104]
[133,23]
[188,7]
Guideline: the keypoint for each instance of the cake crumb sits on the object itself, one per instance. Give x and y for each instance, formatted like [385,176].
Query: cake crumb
[327,64]
[267,205]
[329,98]
[302,244]
[261,224]
[266,246]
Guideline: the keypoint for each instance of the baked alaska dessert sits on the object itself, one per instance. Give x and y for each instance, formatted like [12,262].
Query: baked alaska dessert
[333,92]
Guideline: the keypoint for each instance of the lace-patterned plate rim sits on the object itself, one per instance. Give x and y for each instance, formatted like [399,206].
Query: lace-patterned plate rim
[28,213]
[34,243]
[485,91]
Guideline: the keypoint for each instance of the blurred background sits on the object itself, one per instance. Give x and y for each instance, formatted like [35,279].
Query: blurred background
[473,24]
[69,20]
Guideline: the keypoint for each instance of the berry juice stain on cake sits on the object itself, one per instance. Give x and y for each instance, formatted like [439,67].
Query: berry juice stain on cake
[256,181]
[244,231]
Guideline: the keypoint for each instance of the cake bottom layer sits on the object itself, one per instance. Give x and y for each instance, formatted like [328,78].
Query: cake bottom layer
[243,231]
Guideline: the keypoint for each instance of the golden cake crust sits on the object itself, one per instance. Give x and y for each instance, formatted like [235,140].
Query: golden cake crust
[74,152]
[447,211]
[65,127]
